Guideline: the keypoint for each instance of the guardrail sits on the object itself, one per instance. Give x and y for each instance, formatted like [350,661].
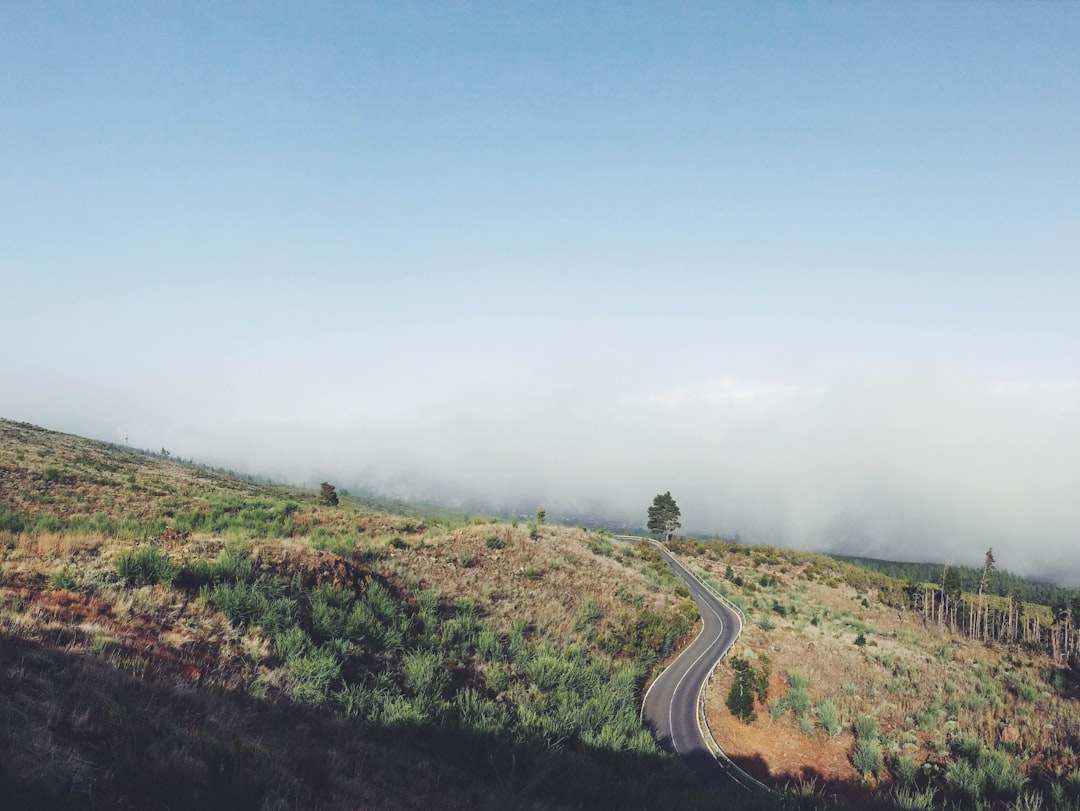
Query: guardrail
[737,775]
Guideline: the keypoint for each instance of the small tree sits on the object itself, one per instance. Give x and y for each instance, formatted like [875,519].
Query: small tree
[328,494]
[664,516]
[741,696]
[541,514]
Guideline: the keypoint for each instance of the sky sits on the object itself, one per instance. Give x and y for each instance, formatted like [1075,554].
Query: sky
[813,268]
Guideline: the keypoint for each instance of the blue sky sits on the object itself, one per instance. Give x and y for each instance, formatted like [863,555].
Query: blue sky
[787,257]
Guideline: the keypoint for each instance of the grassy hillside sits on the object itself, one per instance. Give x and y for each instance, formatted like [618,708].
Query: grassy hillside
[869,700]
[1000,582]
[173,637]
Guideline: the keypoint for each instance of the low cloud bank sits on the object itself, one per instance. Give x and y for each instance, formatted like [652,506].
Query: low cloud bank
[915,467]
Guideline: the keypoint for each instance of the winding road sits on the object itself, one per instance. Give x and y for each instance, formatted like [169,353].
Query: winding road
[670,709]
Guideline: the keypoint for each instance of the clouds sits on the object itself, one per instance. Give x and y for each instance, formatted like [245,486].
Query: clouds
[930,465]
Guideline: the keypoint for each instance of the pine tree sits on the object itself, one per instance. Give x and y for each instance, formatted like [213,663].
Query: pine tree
[664,516]
[328,494]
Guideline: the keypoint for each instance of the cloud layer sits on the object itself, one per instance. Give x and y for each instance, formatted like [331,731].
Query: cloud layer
[912,466]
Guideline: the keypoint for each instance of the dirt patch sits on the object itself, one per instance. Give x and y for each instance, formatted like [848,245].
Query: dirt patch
[776,752]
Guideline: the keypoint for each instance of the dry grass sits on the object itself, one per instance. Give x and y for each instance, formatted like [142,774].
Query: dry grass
[126,692]
[923,685]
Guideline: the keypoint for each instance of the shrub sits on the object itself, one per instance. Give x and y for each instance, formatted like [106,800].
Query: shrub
[966,779]
[740,698]
[489,645]
[588,614]
[64,579]
[10,521]
[905,769]
[908,799]
[1072,783]
[1002,775]
[1027,692]
[799,701]
[599,545]
[797,680]
[261,603]
[828,715]
[146,565]
[424,674]
[777,708]
[867,757]
[330,607]
[494,542]
[866,728]
[290,643]
[312,674]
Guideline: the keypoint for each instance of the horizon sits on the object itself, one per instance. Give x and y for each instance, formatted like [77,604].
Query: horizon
[522,512]
[811,269]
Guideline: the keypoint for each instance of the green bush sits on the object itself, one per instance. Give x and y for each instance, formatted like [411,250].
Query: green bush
[866,728]
[777,708]
[1027,692]
[290,643]
[740,699]
[489,645]
[599,545]
[10,521]
[905,769]
[867,757]
[1002,776]
[330,607]
[313,673]
[424,674]
[798,699]
[908,799]
[966,779]
[64,579]
[263,603]
[478,714]
[828,715]
[146,565]
[494,542]
[588,614]
[797,680]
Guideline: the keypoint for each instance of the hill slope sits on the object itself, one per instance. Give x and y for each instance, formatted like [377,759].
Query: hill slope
[172,637]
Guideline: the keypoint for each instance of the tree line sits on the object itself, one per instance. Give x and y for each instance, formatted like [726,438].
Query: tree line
[1001,582]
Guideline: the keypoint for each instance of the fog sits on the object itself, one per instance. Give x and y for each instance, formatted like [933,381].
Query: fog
[911,466]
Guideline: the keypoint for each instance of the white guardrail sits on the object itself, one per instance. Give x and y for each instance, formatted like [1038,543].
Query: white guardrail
[738,776]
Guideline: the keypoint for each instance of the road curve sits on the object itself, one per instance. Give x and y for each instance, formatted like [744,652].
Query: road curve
[670,709]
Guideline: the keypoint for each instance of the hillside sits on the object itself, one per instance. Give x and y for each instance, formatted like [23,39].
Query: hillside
[1000,582]
[175,637]
[868,698]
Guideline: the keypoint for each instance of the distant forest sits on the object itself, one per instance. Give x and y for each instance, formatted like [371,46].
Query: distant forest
[1002,583]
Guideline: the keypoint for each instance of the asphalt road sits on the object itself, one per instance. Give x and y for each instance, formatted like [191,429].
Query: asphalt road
[670,710]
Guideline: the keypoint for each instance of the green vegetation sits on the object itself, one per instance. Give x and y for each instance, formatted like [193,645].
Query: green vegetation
[663,516]
[750,686]
[146,565]
[338,657]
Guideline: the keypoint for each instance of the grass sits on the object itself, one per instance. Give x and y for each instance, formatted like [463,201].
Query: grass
[146,565]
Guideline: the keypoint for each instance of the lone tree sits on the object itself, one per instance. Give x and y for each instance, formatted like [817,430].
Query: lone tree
[664,516]
[328,494]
